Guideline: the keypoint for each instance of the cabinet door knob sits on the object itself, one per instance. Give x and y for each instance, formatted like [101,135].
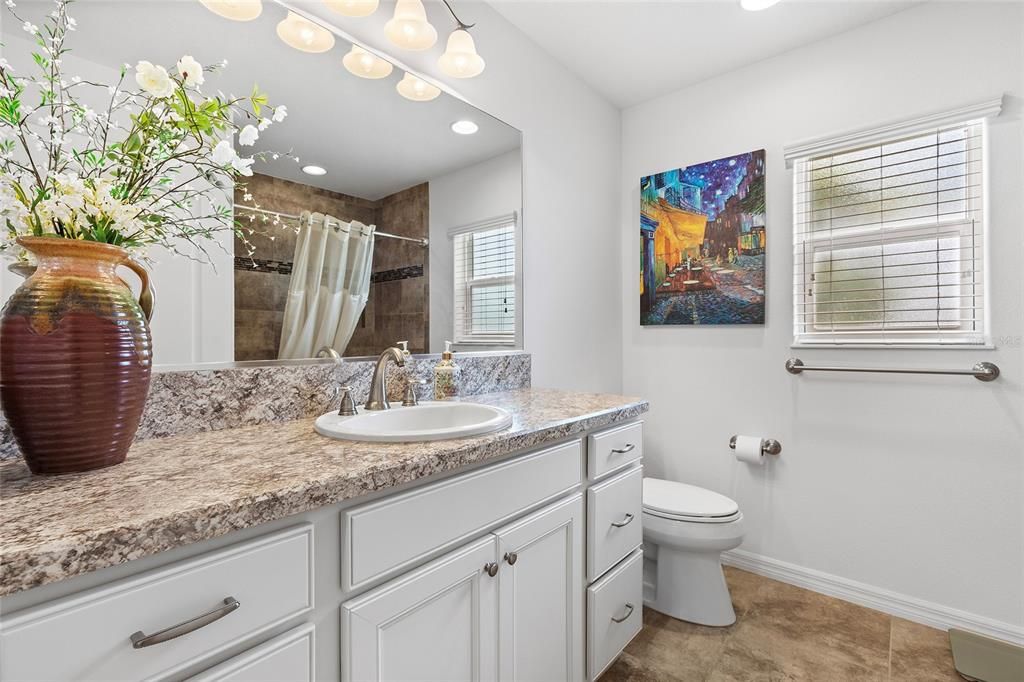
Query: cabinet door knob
[511,558]
[491,568]
[626,520]
[629,612]
[140,640]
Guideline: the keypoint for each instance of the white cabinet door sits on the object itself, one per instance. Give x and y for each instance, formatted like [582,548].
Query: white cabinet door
[439,622]
[542,584]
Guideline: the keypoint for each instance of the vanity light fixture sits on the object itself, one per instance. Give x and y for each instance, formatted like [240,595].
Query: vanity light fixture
[757,5]
[353,8]
[409,28]
[464,127]
[364,64]
[236,10]
[416,89]
[460,59]
[303,34]
[314,170]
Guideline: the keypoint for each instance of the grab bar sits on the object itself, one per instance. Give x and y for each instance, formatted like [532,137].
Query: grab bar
[983,371]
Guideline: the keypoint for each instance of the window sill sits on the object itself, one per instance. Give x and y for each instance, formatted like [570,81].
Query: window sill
[894,346]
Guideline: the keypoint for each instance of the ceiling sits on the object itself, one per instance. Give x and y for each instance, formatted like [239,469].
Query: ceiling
[372,141]
[631,51]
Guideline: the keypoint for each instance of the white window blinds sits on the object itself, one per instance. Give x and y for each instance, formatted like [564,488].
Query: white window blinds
[484,256]
[889,241]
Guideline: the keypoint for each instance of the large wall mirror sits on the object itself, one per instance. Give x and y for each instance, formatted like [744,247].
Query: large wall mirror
[439,181]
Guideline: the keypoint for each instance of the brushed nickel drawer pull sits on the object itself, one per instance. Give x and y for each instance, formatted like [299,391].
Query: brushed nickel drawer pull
[141,640]
[621,451]
[629,612]
[626,520]
[491,568]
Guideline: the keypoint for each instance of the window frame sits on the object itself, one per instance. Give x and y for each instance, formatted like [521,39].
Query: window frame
[970,225]
[466,336]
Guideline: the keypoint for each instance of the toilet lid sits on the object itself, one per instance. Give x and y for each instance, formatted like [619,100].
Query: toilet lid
[680,499]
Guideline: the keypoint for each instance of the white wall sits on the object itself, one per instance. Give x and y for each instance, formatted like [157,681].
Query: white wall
[484,190]
[570,165]
[909,484]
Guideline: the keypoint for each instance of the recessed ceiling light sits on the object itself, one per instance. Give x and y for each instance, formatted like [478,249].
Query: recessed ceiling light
[465,127]
[314,170]
[757,5]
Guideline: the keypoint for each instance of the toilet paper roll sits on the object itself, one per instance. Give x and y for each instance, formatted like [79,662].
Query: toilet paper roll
[748,449]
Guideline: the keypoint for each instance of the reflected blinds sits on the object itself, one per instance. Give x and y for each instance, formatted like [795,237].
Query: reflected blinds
[889,243]
[485,282]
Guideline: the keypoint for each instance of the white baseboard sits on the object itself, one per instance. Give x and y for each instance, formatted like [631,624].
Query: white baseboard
[886,601]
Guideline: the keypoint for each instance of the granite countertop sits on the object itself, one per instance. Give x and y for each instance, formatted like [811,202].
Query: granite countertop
[182,489]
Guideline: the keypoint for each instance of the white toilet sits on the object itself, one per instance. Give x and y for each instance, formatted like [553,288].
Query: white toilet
[686,529]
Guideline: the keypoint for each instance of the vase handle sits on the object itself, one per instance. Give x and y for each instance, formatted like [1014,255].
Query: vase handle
[147,297]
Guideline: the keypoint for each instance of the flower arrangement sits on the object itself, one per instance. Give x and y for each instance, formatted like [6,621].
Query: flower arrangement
[152,164]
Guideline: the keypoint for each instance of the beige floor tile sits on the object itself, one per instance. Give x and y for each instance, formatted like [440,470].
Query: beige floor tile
[920,654]
[743,588]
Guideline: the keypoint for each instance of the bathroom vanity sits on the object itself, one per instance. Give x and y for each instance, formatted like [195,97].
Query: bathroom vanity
[276,553]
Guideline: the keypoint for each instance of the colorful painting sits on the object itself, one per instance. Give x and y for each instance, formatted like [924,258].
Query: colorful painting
[702,243]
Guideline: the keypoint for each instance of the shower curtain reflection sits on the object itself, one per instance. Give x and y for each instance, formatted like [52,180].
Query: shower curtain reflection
[329,285]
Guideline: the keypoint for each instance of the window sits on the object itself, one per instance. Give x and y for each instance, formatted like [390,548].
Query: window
[485,282]
[889,240]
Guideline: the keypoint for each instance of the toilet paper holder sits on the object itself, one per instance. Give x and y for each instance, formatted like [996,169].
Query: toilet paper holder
[769,446]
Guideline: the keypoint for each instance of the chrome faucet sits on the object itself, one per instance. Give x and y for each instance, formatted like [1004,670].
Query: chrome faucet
[378,399]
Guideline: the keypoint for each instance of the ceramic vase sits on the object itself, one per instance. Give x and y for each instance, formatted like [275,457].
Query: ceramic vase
[75,356]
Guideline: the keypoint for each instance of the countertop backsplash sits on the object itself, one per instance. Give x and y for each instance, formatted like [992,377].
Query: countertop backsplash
[196,400]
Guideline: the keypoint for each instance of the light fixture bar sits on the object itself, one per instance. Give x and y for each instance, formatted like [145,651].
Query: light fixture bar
[464,26]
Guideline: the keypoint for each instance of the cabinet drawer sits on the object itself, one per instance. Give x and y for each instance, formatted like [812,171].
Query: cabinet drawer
[270,578]
[381,538]
[614,527]
[611,450]
[614,613]
[288,658]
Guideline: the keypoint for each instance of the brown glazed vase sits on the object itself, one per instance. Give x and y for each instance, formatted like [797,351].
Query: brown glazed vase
[75,356]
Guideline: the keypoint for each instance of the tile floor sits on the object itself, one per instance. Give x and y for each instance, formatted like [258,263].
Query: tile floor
[786,634]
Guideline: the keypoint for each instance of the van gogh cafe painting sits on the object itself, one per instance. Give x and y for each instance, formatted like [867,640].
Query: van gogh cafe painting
[702,245]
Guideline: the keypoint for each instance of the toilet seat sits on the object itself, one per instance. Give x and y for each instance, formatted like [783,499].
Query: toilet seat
[687,503]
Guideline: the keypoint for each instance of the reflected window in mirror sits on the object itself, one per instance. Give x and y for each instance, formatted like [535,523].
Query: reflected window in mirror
[484,257]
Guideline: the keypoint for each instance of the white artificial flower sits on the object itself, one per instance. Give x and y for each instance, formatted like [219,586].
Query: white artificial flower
[280,112]
[10,4]
[76,79]
[72,24]
[223,153]
[248,136]
[29,27]
[242,166]
[190,70]
[111,89]
[5,66]
[247,197]
[263,124]
[153,79]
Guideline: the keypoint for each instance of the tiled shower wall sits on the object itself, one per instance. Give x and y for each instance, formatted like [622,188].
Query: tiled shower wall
[398,307]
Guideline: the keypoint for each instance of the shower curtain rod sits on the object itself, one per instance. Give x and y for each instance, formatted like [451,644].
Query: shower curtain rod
[289,216]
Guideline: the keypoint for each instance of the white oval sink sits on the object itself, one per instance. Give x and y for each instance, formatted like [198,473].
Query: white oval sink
[426,421]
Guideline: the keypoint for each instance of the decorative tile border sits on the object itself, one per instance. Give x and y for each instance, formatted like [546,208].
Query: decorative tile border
[194,401]
[280,267]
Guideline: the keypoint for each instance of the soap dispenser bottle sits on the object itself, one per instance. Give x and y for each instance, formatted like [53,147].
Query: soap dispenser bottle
[446,375]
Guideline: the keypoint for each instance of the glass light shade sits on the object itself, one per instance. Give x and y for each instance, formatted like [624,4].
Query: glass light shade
[416,89]
[409,28]
[303,34]
[460,59]
[354,8]
[361,63]
[238,10]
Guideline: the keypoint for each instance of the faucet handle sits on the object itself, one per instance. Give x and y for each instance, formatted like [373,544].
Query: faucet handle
[404,347]
[411,399]
[348,406]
